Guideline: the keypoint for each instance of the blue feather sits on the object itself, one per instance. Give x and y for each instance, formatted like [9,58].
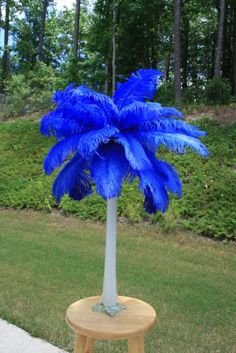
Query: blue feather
[139,86]
[167,173]
[59,127]
[156,196]
[73,180]
[102,101]
[71,120]
[108,169]
[166,112]
[169,125]
[134,151]
[63,96]
[143,117]
[89,142]
[59,152]
[114,140]
[88,115]
[138,114]
[173,142]
[131,116]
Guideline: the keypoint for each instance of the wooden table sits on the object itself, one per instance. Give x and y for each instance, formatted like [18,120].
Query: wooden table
[130,324]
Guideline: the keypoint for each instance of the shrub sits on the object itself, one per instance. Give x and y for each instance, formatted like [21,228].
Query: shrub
[165,94]
[209,194]
[218,91]
[29,92]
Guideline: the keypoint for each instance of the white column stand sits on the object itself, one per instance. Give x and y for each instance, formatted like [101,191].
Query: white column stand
[109,295]
[109,303]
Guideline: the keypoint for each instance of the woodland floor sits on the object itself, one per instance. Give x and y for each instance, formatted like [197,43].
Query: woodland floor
[224,115]
[47,261]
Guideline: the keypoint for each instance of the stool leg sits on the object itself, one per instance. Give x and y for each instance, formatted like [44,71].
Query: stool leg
[136,344]
[89,345]
[80,343]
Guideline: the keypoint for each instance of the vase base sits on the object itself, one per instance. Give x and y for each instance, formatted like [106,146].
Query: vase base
[110,310]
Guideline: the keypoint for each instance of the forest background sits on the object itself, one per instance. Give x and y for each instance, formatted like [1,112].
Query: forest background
[46,47]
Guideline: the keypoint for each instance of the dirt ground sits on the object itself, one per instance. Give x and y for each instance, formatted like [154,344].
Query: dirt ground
[225,115]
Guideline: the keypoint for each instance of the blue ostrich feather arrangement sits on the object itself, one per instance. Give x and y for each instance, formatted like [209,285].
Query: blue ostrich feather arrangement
[105,140]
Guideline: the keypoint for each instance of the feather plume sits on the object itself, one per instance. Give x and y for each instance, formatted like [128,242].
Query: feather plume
[166,112]
[173,126]
[73,180]
[117,139]
[108,169]
[173,142]
[59,152]
[102,101]
[139,86]
[59,127]
[166,173]
[89,142]
[143,117]
[156,196]
[139,114]
[134,151]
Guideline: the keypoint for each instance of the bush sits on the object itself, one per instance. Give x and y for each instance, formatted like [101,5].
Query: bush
[194,93]
[209,194]
[218,91]
[29,92]
[165,94]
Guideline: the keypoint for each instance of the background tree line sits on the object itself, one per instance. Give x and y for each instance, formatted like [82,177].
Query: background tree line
[192,41]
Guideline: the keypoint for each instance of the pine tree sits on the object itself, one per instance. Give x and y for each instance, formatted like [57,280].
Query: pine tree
[177,44]
[219,46]
[5,58]
[42,32]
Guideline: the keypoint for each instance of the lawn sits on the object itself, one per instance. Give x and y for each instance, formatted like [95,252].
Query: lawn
[47,261]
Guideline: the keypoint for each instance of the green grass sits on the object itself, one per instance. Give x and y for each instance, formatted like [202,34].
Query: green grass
[47,261]
[209,194]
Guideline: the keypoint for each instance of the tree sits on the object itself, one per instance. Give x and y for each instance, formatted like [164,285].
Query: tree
[42,32]
[0,15]
[77,30]
[111,140]
[114,24]
[219,46]
[234,51]
[29,30]
[177,66]
[185,45]
[5,58]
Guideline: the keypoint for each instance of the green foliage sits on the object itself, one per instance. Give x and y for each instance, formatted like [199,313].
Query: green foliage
[218,91]
[208,203]
[30,92]
[165,94]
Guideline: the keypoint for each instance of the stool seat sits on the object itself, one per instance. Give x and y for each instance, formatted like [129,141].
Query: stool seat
[139,318]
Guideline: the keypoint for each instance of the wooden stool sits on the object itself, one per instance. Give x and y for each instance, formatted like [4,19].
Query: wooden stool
[130,324]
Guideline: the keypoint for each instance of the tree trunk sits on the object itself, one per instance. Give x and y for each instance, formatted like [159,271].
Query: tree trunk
[41,41]
[226,48]
[177,70]
[219,46]
[234,53]
[167,69]
[109,296]
[114,13]
[185,39]
[76,30]
[106,85]
[5,58]
[0,16]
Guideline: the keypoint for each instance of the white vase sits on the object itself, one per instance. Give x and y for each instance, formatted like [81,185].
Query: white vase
[109,303]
